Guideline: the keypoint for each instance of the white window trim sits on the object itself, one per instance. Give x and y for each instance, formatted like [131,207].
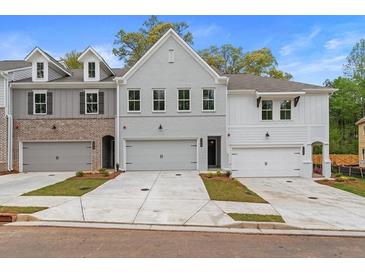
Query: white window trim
[291,110]
[177,100]
[97,100]
[272,110]
[44,71]
[140,101]
[202,101]
[88,75]
[164,91]
[39,92]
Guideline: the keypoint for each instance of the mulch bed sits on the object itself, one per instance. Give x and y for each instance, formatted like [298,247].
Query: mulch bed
[8,172]
[98,176]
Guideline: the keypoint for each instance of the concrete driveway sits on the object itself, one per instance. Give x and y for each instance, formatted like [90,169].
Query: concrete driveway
[148,197]
[14,185]
[328,208]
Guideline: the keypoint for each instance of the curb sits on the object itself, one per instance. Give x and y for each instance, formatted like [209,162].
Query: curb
[146,227]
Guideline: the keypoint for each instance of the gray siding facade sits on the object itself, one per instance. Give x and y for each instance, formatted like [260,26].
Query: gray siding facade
[184,73]
[66,104]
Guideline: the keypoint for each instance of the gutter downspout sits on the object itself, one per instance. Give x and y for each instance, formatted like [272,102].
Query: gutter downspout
[9,119]
[117,132]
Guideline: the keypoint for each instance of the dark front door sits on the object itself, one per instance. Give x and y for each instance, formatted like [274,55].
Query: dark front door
[212,152]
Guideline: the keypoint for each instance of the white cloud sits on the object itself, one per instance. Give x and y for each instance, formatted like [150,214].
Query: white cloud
[204,31]
[15,45]
[105,50]
[301,41]
[329,64]
[348,39]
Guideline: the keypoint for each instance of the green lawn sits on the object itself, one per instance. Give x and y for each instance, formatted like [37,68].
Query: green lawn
[20,209]
[256,218]
[70,187]
[225,189]
[350,184]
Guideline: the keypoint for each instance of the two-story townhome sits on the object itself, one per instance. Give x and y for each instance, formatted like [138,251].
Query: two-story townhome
[170,111]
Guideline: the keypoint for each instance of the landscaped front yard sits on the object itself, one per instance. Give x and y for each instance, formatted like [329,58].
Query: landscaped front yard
[21,209]
[256,217]
[349,184]
[223,188]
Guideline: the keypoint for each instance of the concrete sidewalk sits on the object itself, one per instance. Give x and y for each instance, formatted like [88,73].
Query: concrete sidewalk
[259,231]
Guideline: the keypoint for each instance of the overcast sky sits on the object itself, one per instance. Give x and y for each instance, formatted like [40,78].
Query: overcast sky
[312,48]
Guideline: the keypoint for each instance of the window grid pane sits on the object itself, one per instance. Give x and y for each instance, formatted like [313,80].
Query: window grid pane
[208,99]
[92,103]
[184,99]
[91,67]
[158,100]
[266,110]
[40,106]
[40,70]
[134,100]
[285,110]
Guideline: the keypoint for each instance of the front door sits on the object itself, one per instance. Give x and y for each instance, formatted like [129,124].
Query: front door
[212,153]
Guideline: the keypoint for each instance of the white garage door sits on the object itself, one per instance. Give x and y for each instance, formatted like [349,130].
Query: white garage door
[161,155]
[56,156]
[265,162]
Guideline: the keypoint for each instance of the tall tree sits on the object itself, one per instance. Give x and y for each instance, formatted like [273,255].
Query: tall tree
[227,58]
[230,59]
[131,46]
[355,67]
[71,61]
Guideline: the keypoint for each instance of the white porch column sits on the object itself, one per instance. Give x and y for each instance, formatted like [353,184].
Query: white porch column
[307,166]
[326,162]
[117,125]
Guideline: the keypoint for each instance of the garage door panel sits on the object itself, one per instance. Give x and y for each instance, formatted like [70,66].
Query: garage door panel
[266,162]
[56,156]
[161,155]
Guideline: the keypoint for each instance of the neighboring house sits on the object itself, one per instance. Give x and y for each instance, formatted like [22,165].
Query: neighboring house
[170,111]
[10,70]
[361,126]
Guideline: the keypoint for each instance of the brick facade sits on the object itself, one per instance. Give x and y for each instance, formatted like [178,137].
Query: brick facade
[87,129]
[3,141]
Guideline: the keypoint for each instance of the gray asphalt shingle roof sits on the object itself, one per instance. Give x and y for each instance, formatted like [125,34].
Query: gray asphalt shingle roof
[265,84]
[13,64]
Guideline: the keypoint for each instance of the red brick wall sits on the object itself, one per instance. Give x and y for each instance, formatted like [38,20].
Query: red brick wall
[87,129]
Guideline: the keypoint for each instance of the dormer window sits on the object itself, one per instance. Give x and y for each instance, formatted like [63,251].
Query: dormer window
[40,70]
[91,69]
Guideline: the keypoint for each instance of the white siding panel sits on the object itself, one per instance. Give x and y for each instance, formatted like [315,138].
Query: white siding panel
[2,92]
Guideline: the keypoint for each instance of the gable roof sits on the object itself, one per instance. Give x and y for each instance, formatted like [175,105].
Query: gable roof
[7,65]
[49,59]
[101,59]
[159,43]
[243,81]
[361,121]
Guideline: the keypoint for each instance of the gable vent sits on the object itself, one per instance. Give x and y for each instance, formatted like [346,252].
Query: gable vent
[171,56]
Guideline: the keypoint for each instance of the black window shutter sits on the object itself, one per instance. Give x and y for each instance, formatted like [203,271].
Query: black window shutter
[82,102]
[101,102]
[49,103]
[30,103]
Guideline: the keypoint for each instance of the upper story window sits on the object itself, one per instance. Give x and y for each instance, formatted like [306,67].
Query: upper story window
[134,100]
[40,70]
[183,100]
[91,102]
[40,102]
[208,100]
[91,69]
[158,100]
[266,111]
[285,110]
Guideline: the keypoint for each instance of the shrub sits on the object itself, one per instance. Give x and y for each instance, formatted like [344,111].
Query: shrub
[219,173]
[337,175]
[79,173]
[209,174]
[103,172]
[228,173]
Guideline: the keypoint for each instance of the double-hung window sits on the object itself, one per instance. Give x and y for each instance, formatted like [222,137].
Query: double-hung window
[40,70]
[266,111]
[285,110]
[91,69]
[158,100]
[183,100]
[134,100]
[40,102]
[91,102]
[208,100]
